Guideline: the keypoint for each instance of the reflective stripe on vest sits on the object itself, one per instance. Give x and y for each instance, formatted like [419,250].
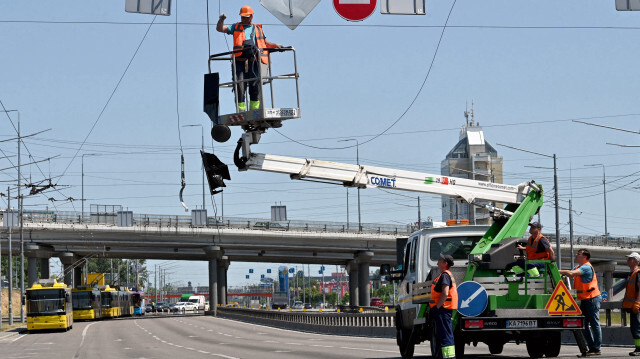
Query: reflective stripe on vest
[631,293]
[238,39]
[532,248]
[586,290]
[452,298]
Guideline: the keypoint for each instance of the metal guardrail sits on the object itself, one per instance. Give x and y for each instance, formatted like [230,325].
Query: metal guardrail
[376,324]
[185,221]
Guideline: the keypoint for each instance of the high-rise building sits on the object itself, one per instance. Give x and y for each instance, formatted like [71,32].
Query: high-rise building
[472,158]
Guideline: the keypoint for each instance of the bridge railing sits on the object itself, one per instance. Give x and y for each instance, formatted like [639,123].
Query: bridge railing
[185,221]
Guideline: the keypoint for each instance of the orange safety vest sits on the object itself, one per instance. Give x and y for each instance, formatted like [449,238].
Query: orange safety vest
[532,248]
[632,292]
[238,39]
[452,299]
[586,290]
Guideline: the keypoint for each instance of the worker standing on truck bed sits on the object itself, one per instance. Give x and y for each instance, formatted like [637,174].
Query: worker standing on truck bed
[444,299]
[249,43]
[586,285]
[631,301]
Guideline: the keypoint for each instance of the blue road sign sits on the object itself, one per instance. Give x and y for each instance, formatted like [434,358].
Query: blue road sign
[269,270]
[472,299]
[261,276]
[250,270]
[604,295]
[292,270]
[247,277]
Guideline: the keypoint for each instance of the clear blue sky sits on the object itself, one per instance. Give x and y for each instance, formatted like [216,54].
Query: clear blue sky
[529,66]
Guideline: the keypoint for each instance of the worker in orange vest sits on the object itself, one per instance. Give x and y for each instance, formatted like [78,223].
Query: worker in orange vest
[249,43]
[586,285]
[444,299]
[538,247]
[631,301]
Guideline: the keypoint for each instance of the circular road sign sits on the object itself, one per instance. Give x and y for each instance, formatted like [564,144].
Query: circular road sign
[354,10]
[472,299]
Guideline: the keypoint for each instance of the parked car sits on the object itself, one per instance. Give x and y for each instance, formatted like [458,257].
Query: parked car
[297,305]
[148,308]
[307,306]
[376,302]
[171,308]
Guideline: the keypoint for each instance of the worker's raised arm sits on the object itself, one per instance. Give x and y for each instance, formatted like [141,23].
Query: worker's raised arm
[221,27]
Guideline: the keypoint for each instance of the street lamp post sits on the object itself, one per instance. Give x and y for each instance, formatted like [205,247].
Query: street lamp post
[358,163]
[202,134]
[555,196]
[604,192]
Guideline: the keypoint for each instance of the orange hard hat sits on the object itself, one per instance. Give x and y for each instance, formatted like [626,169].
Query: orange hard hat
[246,11]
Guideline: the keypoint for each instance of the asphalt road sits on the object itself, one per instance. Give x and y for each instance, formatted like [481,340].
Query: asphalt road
[197,336]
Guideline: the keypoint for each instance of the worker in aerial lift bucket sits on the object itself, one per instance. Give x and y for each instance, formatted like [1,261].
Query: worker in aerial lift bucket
[249,43]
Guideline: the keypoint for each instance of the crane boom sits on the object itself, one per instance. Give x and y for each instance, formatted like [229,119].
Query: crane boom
[363,176]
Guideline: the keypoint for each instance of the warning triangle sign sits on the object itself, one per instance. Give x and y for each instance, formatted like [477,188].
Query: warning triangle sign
[561,302]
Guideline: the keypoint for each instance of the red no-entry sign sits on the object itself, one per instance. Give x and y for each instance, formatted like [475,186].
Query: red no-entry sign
[354,10]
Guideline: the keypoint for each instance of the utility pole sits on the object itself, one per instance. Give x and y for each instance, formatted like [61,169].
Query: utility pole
[419,215]
[10,260]
[347,208]
[571,233]
[358,163]
[604,192]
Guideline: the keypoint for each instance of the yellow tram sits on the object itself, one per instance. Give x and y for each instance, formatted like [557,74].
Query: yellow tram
[110,302]
[49,306]
[87,303]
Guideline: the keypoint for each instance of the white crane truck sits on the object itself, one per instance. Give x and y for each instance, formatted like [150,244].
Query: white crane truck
[515,310]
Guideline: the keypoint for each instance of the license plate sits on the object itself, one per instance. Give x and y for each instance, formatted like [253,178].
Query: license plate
[518,323]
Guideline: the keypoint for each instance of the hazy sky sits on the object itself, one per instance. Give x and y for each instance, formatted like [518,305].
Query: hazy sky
[529,66]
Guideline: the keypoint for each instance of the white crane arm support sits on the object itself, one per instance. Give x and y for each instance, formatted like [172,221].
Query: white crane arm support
[370,176]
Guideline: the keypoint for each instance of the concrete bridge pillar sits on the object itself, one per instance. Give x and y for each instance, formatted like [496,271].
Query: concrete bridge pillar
[32,271]
[364,290]
[77,273]
[607,269]
[44,268]
[214,253]
[223,266]
[68,260]
[352,269]
[36,253]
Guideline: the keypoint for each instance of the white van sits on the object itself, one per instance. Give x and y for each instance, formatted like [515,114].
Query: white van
[198,300]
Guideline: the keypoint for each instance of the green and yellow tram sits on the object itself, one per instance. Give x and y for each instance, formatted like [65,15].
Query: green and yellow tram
[87,303]
[49,306]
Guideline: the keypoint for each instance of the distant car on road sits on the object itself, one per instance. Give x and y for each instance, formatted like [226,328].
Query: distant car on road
[297,305]
[376,302]
[162,307]
[274,226]
[148,308]
[307,306]
[182,307]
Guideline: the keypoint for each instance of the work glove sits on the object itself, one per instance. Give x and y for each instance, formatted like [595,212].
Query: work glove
[636,308]
[223,17]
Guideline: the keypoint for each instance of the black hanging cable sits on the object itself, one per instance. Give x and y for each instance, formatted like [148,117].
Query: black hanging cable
[183,182]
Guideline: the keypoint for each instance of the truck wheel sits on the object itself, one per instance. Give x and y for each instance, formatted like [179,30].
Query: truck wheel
[534,348]
[553,343]
[406,346]
[495,347]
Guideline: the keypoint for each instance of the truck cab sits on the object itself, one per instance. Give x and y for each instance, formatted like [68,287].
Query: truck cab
[199,301]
